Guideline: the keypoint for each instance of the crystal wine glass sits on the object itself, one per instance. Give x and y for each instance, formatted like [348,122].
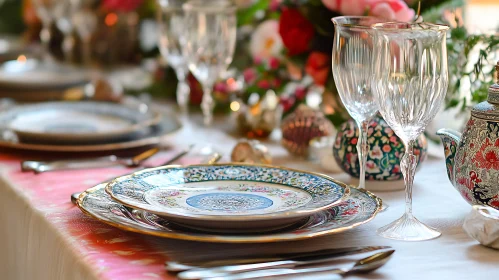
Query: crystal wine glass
[64,22]
[352,70]
[171,25]
[208,44]
[45,11]
[85,21]
[409,82]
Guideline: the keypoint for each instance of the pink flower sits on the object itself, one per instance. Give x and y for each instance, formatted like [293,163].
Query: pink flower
[346,7]
[249,75]
[390,9]
[274,5]
[387,9]
[274,63]
[121,5]
[221,87]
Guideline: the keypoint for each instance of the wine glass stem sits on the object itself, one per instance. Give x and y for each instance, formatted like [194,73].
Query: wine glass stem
[45,37]
[86,51]
[68,47]
[183,90]
[207,104]
[362,150]
[408,167]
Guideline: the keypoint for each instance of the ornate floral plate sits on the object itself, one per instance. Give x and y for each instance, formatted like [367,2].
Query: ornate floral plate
[359,208]
[228,197]
[167,125]
[76,122]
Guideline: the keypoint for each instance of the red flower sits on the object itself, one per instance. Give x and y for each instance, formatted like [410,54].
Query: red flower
[387,148]
[488,156]
[296,31]
[300,93]
[318,66]
[287,103]
[121,5]
[263,84]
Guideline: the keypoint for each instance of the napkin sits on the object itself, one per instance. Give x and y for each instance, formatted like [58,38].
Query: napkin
[482,224]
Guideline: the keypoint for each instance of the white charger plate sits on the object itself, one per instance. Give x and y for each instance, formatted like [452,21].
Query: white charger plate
[76,122]
[228,197]
[359,208]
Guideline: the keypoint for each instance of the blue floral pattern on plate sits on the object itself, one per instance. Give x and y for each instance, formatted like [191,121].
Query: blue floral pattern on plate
[359,208]
[155,190]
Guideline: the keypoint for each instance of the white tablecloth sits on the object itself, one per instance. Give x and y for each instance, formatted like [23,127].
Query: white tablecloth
[31,249]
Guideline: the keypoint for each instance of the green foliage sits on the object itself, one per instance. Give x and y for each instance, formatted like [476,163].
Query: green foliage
[11,17]
[463,50]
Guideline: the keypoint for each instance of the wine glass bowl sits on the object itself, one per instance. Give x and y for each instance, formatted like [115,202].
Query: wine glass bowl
[209,44]
[409,81]
[352,71]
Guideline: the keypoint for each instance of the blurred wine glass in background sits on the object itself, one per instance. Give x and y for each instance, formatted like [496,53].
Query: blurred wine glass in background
[171,29]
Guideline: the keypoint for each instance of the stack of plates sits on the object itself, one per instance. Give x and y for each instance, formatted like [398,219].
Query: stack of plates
[82,127]
[29,80]
[232,203]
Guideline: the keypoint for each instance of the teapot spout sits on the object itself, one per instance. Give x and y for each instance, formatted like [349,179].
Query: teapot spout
[450,139]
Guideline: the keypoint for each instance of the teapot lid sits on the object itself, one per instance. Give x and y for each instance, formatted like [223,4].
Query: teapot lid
[489,110]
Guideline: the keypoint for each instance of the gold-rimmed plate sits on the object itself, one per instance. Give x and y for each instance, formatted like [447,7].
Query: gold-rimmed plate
[228,197]
[359,208]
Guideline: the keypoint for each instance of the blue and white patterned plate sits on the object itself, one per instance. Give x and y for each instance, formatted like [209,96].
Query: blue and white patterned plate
[228,197]
[359,208]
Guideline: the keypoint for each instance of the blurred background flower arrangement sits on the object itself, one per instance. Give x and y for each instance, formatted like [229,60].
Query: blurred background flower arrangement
[283,53]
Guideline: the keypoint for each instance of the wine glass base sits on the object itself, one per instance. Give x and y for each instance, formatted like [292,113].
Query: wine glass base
[408,228]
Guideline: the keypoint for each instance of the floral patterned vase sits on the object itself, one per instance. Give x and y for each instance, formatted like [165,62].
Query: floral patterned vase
[385,150]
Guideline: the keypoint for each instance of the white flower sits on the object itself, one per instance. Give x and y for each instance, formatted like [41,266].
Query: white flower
[266,41]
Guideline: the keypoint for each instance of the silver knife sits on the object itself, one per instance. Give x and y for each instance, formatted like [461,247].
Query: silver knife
[45,166]
[364,265]
[283,261]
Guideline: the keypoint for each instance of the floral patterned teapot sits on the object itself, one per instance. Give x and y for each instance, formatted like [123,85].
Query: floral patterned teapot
[473,159]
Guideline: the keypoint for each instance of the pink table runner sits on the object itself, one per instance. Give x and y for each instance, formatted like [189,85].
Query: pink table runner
[111,253]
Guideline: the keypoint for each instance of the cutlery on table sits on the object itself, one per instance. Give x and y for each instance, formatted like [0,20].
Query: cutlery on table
[108,161]
[284,261]
[215,158]
[364,265]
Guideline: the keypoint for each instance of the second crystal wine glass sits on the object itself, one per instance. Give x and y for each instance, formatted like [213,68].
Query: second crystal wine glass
[171,30]
[409,81]
[208,44]
[352,71]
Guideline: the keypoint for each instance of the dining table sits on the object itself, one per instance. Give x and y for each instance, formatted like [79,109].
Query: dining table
[44,236]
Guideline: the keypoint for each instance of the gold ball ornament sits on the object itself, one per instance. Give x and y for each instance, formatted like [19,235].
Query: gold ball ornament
[251,151]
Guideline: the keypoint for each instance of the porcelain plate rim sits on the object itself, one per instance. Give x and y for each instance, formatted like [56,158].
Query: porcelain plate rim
[292,213]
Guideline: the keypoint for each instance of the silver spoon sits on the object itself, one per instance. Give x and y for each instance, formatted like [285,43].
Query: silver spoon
[364,265]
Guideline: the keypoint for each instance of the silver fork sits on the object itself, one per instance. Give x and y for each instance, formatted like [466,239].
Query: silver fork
[364,265]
